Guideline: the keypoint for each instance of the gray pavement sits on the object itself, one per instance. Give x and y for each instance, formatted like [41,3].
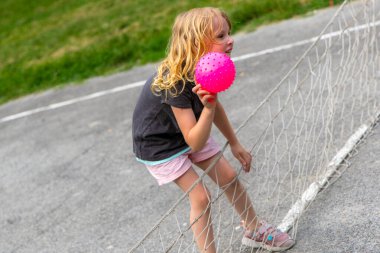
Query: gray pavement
[69,181]
[346,216]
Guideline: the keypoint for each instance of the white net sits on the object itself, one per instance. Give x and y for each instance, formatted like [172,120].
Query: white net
[299,128]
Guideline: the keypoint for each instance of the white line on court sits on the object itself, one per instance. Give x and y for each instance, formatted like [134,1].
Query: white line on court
[140,83]
[304,42]
[71,101]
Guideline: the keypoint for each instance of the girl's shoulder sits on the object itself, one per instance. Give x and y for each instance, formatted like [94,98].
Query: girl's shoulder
[180,89]
[181,95]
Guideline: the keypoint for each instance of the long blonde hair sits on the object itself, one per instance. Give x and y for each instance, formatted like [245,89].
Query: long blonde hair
[192,33]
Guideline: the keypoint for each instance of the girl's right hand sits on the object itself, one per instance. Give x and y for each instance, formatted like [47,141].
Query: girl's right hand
[208,99]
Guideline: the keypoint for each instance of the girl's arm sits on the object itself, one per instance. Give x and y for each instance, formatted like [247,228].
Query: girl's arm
[196,133]
[224,125]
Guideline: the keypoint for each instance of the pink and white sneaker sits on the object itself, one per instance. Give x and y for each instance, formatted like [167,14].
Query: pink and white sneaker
[267,237]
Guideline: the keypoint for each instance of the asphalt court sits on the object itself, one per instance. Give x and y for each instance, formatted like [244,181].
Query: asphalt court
[69,181]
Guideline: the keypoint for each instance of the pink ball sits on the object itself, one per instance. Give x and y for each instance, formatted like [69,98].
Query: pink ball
[215,72]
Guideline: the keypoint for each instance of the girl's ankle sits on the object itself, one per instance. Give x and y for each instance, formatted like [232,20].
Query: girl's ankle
[252,226]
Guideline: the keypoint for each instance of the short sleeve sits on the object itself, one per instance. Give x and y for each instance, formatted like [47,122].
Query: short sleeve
[183,100]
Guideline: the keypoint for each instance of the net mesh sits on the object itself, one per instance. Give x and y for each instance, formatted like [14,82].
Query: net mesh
[299,127]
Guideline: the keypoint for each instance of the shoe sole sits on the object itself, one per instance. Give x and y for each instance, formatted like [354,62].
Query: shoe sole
[250,243]
[253,244]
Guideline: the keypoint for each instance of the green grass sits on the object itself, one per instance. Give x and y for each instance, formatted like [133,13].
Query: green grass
[47,43]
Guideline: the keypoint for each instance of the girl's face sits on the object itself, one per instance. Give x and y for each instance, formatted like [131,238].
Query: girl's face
[223,41]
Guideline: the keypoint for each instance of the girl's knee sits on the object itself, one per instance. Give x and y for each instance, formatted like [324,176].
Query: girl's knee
[228,177]
[200,197]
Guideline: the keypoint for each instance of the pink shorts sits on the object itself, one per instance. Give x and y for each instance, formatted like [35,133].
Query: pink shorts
[171,170]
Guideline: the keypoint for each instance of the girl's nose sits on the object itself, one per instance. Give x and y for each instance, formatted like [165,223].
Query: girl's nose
[230,40]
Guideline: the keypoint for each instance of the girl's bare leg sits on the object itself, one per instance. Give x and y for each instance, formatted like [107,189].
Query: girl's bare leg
[225,176]
[200,211]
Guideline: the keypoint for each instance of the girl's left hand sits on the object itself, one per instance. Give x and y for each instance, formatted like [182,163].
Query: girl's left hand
[244,157]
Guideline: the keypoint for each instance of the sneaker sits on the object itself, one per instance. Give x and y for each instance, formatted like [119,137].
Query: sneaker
[267,237]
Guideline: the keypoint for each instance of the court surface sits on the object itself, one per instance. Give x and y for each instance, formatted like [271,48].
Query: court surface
[69,181]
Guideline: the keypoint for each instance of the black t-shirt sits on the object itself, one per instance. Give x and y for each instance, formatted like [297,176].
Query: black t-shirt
[156,134]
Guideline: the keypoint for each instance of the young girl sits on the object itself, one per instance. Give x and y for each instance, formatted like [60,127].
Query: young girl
[172,124]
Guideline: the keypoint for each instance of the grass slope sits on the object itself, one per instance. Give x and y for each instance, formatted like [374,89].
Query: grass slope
[46,43]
